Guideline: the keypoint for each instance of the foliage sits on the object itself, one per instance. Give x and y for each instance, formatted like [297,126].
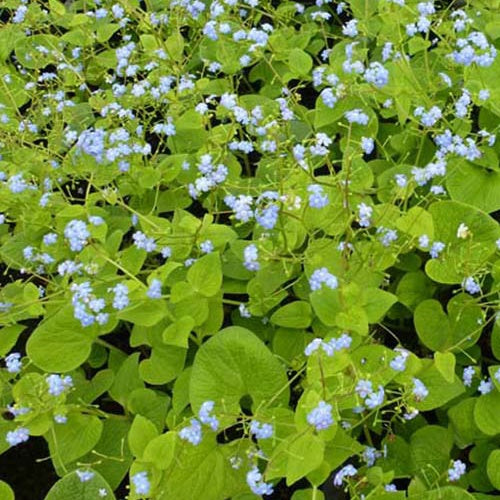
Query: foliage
[252,248]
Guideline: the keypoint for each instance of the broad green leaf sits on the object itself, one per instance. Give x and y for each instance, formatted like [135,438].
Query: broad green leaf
[161,450]
[140,434]
[165,363]
[235,363]
[493,468]
[445,363]
[376,303]
[416,222]
[304,455]
[6,492]
[294,315]
[60,343]
[205,275]
[126,379]
[475,186]
[177,333]
[430,448]
[75,438]
[8,337]
[486,413]
[146,313]
[458,329]
[462,422]
[113,452]
[70,487]
[462,256]
[300,62]
[199,473]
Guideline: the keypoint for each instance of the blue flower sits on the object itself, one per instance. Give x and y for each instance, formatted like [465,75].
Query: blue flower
[58,384]
[419,390]
[320,276]
[251,255]
[317,198]
[456,471]
[205,417]
[154,290]
[141,483]
[18,436]
[261,431]
[77,234]
[13,362]
[256,483]
[347,471]
[321,416]
[192,433]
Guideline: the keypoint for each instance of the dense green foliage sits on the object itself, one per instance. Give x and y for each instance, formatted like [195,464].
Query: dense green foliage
[251,248]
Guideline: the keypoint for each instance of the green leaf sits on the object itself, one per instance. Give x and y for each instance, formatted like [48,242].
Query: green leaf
[486,413]
[205,275]
[146,313]
[300,62]
[60,343]
[474,185]
[9,336]
[294,315]
[142,432]
[165,363]
[70,487]
[75,438]
[462,422]
[493,468]
[458,329]
[443,493]
[112,445]
[235,363]
[161,450]
[200,472]
[416,222]
[304,455]
[413,288]
[430,448]
[126,379]
[376,303]
[178,332]
[6,492]
[440,390]
[445,363]
[461,256]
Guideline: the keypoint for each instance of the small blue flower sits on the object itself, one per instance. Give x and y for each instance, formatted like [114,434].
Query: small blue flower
[261,431]
[154,290]
[141,483]
[205,417]
[347,471]
[419,390]
[321,416]
[467,376]
[18,436]
[192,433]
[320,276]
[84,475]
[58,384]
[251,256]
[256,483]
[77,234]
[13,362]
[367,145]
[206,246]
[456,471]
[317,198]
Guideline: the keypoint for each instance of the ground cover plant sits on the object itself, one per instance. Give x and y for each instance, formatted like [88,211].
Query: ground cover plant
[249,249]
